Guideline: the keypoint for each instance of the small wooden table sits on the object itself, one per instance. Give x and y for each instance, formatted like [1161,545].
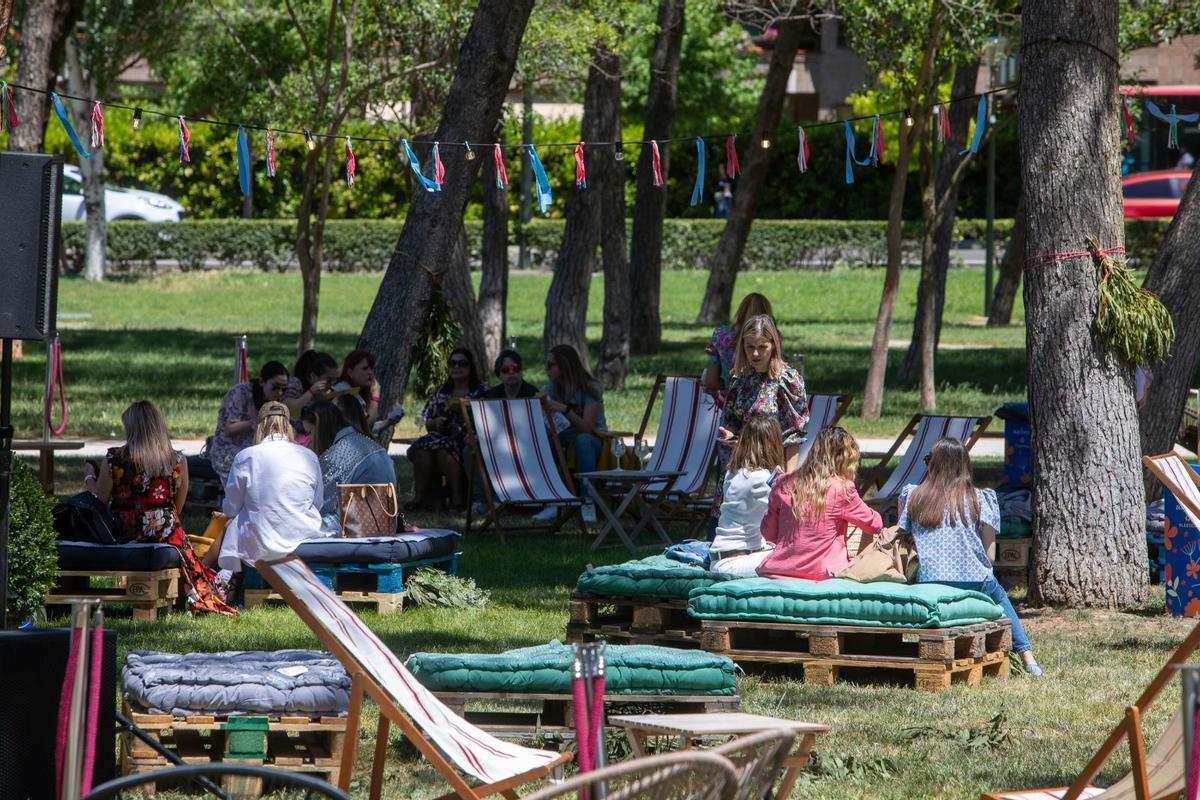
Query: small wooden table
[636,480]
[690,727]
[45,450]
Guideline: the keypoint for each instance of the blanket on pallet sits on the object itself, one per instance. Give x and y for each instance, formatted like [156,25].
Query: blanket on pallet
[655,576]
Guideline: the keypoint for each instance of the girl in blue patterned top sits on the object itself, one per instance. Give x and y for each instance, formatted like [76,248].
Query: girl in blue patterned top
[954,526]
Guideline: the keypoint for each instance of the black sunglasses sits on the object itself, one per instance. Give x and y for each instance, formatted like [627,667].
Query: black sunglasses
[459,362]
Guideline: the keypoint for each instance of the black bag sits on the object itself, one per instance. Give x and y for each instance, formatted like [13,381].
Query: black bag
[83,518]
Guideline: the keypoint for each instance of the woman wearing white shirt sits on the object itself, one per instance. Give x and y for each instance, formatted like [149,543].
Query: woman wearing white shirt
[738,546]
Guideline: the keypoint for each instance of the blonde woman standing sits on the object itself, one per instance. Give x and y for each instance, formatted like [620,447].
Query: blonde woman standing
[722,347]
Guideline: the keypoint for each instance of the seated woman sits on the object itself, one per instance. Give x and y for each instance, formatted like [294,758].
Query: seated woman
[440,450]
[312,379]
[358,373]
[809,511]
[575,401]
[145,484]
[757,460]
[509,369]
[238,416]
[346,456]
[353,412]
[954,527]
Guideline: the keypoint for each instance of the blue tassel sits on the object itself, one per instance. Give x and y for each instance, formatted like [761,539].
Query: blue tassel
[1173,119]
[429,185]
[698,186]
[851,157]
[66,123]
[544,198]
[243,161]
[980,124]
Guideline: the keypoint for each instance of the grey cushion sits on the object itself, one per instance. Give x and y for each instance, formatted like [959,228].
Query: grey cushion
[380,549]
[116,557]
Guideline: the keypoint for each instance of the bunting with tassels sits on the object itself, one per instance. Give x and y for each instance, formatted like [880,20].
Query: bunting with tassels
[580,168]
[1130,134]
[943,123]
[415,166]
[801,149]
[501,172]
[851,156]
[270,153]
[544,197]
[97,126]
[698,186]
[980,125]
[352,163]
[243,161]
[1173,119]
[437,168]
[876,154]
[67,126]
[732,167]
[8,109]
[656,163]
[185,140]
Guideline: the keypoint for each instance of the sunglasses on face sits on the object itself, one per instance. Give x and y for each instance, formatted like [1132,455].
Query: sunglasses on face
[458,362]
[510,369]
[550,364]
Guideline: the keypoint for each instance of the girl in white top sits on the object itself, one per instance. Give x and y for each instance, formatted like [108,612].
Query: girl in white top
[738,547]
[273,496]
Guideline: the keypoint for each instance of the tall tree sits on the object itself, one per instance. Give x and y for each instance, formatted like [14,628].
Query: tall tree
[613,363]
[1089,510]
[650,203]
[493,279]
[1011,267]
[399,314]
[44,27]
[6,15]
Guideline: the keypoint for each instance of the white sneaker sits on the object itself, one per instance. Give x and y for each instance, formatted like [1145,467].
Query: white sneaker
[547,514]
[589,513]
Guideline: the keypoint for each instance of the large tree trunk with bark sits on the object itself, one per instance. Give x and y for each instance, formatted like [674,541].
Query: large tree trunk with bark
[718,294]
[6,14]
[493,281]
[44,28]
[91,171]
[650,203]
[567,300]
[613,363]
[310,237]
[460,294]
[1011,268]
[396,322]
[1089,503]
[939,201]
[927,86]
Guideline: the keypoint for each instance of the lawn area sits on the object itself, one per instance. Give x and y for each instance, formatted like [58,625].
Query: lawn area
[169,338]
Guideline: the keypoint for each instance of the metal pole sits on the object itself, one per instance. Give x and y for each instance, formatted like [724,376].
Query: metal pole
[990,260]
[239,347]
[81,621]
[6,434]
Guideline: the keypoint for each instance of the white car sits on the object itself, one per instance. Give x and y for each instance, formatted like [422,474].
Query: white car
[118,203]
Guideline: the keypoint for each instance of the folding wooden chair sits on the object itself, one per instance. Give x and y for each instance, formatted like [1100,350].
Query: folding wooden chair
[824,410]
[449,743]
[925,431]
[688,775]
[759,760]
[520,461]
[1182,480]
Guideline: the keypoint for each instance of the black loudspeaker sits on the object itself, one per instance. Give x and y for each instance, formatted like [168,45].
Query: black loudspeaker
[30,208]
[32,666]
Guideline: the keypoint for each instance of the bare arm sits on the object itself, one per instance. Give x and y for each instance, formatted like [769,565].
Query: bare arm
[103,484]
[181,488]
[791,458]
[987,535]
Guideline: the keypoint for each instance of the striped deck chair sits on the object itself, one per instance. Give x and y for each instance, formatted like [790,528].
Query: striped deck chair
[824,410]
[925,431]
[449,743]
[520,461]
[1182,480]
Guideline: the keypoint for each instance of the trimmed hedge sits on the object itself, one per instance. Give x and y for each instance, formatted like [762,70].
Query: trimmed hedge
[367,245]
[32,550]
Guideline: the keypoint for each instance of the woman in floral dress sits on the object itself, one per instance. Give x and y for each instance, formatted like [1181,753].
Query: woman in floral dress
[441,449]
[722,347]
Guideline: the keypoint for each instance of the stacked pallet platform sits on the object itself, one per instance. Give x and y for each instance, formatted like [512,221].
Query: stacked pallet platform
[145,592]
[632,620]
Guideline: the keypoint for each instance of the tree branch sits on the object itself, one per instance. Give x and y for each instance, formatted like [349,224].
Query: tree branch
[309,56]
[246,51]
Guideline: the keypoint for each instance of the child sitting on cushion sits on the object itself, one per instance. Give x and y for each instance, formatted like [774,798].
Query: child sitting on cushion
[810,510]
[757,459]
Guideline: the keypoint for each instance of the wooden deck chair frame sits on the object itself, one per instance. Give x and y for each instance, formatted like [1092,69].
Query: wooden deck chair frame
[843,405]
[363,685]
[497,509]
[1155,465]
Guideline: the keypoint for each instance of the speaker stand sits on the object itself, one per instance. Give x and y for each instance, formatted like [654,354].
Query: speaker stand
[6,437]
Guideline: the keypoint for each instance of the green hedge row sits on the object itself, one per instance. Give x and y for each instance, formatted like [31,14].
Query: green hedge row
[358,245]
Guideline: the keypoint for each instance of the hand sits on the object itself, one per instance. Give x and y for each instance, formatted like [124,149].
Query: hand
[556,407]
[727,437]
[376,392]
[319,389]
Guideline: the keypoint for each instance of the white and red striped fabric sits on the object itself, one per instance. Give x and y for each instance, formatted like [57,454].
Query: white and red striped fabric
[1176,475]
[514,444]
[912,466]
[822,408]
[687,435]
[472,750]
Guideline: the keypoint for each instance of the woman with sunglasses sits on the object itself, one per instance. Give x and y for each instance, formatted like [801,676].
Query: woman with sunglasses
[440,450]
[510,370]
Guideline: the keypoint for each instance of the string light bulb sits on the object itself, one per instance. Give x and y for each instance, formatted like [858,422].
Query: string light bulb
[765,144]
[137,119]
[908,120]
[619,155]
[309,142]
[470,152]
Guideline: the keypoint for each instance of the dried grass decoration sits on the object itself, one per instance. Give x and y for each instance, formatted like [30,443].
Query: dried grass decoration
[1132,320]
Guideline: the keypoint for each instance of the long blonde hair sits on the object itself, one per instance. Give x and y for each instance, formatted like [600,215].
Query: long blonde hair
[759,446]
[764,326]
[947,488]
[147,439]
[752,305]
[833,455]
[274,419]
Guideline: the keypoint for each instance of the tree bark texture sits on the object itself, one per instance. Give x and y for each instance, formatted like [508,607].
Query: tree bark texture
[613,363]
[6,14]
[397,320]
[650,202]
[493,282]
[44,28]
[718,294]
[927,86]
[1012,265]
[1089,510]
[460,294]
[91,171]
[310,237]
[1175,278]
[567,299]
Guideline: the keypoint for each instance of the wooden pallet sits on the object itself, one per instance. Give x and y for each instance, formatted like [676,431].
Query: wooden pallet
[930,677]
[682,639]
[146,592]
[384,602]
[555,713]
[647,619]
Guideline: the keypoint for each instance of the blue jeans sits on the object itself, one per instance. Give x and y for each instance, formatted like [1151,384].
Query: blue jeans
[990,587]
[587,448]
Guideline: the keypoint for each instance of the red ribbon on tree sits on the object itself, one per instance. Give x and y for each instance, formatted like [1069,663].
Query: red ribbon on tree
[185,139]
[97,125]
[878,141]
[656,163]
[270,153]
[943,115]
[802,149]
[439,169]
[1130,133]
[732,167]
[8,109]
[580,167]
[501,172]
[351,163]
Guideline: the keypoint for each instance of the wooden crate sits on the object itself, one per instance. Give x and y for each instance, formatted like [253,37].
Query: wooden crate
[925,677]
[384,602]
[684,640]
[146,592]
[647,619]
[1012,553]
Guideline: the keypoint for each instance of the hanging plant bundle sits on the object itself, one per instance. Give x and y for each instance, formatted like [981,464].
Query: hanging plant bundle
[429,357]
[1132,321]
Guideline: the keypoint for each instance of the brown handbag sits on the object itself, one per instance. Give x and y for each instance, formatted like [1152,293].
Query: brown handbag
[368,509]
[891,556]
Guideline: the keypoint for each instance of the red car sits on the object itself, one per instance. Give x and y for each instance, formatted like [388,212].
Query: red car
[1154,194]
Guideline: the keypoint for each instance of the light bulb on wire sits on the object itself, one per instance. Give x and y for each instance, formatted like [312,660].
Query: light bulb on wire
[470,152]
[137,119]
[908,120]
[765,144]
[309,142]
[619,155]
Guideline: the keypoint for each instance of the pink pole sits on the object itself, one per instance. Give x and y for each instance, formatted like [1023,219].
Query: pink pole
[597,717]
[64,710]
[583,757]
[93,715]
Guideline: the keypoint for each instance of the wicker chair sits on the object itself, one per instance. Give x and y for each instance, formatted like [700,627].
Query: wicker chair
[759,760]
[687,775]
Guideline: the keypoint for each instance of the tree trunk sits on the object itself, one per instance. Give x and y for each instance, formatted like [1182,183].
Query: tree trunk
[484,70]
[6,13]
[1089,510]
[1011,268]
[938,206]
[310,237]
[927,85]
[567,300]
[613,363]
[493,283]
[91,171]
[650,204]
[718,294]
[44,28]
[460,294]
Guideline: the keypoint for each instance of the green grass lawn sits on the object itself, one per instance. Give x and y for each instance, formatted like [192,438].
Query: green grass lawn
[169,338]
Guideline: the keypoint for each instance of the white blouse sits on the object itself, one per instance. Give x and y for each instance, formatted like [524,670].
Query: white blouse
[744,503]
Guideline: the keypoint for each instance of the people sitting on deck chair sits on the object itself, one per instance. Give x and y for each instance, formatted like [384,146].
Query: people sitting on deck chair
[312,379]
[238,417]
[509,369]
[346,456]
[440,451]
[722,347]
[757,461]
[809,512]
[575,401]
[954,527]
[358,375]
[145,484]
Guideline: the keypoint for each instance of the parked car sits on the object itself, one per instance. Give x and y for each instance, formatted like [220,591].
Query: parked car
[1154,194]
[118,203]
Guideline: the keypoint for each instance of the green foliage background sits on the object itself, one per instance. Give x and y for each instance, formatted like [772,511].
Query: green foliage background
[33,558]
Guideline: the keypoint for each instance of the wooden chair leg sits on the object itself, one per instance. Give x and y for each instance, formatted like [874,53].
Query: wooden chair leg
[381,745]
[350,741]
[1137,753]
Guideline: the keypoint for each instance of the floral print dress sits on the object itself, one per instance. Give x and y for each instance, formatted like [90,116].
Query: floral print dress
[145,508]
[722,350]
[454,436]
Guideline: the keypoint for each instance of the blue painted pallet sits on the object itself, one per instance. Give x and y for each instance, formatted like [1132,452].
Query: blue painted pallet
[374,578]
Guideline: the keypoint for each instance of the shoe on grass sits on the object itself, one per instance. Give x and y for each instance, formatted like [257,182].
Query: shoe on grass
[547,514]
[1032,669]
[589,513]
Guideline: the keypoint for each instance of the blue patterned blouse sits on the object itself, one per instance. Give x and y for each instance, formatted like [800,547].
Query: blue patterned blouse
[952,552]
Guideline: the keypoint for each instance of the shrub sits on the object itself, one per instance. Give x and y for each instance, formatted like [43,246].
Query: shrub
[32,557]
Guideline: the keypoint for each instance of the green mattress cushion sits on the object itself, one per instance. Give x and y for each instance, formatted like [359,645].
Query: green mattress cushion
[842,602]
[546,669]
[656,576]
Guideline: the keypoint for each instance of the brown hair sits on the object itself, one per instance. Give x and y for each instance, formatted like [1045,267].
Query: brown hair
[147,439]
[833,455]
[947,489]
[752,305]
[759,445]
[764,326]
[573,376]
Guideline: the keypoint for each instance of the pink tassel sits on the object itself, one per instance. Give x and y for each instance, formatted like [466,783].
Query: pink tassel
[185,139]
[943,123]
[439,169]
[802,150]
[501,172]
[1130,133]
[351,163]
[580,167]
[8,109]
[732,167]
[656,163]
[270,153]
[97,125]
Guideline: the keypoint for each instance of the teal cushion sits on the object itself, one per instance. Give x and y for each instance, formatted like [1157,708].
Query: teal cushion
[546,669]
[656,576]
[842,602]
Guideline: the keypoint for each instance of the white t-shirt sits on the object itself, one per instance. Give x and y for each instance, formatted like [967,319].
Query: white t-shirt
[743,506]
